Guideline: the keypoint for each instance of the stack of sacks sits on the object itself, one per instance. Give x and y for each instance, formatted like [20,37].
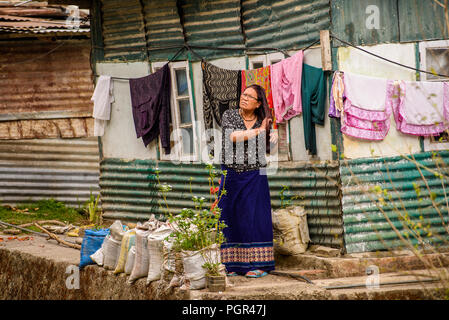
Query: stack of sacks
[367,107]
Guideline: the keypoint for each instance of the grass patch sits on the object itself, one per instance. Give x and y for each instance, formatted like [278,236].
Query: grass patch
[42,210]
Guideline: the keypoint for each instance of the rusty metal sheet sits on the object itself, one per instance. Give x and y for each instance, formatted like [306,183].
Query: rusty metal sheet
[40,129]
[35,77]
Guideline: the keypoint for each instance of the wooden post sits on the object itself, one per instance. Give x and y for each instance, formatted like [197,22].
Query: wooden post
[326,56]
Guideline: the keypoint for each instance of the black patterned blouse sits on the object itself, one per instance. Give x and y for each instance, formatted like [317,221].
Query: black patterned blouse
[244,155]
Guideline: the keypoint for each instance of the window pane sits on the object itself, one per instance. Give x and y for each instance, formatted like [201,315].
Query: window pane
[187,140]
[437,60]
[257,65]
[181,82]
[184,111]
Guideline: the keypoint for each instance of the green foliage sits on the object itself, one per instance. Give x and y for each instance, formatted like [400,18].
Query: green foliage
[92,210]
[201,227]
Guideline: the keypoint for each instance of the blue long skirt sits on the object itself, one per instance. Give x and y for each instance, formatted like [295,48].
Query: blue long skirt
[246,210]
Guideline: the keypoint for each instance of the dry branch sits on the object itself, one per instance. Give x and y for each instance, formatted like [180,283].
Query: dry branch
[53,236]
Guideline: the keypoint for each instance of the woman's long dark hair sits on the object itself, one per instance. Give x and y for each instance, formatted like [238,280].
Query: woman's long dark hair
[263,111]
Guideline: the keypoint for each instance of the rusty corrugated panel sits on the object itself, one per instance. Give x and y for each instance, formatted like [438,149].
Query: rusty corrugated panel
[213,24]
[128,192]
[123,30]
[163,27]
[378,190]
[350,18]
[287,24]
[421,20]
[51,128]
[63,169]
[41,79]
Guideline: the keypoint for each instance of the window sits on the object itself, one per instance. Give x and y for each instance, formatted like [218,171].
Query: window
[283,152]
[434,57]
[183,137]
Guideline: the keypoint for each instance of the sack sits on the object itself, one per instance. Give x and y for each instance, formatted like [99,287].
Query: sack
[130,260]
[111,252]
[98,256]
[193,262]
[92,241]
[291,234]
[141,260]
[127,242]
[155,252]
[117,230]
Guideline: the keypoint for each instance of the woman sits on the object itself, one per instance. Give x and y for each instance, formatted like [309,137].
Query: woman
[246,207]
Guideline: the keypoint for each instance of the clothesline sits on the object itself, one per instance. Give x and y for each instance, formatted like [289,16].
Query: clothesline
[190,48]
[388,60]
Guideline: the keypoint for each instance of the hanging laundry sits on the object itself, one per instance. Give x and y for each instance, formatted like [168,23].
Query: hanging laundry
[421,107]
[337,96]
[262,77]
[150,98]
[221,91]
[102,97]
[313,94]
[286,87]
[367,106]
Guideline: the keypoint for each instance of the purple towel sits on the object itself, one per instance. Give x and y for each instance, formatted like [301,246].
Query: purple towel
[150,98]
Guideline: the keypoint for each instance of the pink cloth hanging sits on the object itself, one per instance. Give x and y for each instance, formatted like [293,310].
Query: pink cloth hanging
[370,119]
[286,87]
[421,107]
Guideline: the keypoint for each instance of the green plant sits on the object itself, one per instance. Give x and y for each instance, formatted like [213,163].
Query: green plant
[92,209]
[200,228]
[286,197]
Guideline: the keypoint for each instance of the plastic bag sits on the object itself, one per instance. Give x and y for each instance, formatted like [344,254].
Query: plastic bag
[128,241]
[92,241]
[291,235]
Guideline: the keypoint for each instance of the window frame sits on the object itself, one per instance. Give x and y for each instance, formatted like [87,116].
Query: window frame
[430,144]
[177,152]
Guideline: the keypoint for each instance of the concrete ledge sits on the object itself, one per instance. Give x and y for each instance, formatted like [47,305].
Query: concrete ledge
[37,270]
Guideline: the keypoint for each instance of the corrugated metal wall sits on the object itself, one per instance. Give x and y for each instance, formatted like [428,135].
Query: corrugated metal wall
[63,169]
[128,191]
[163,27]
[213,23]
[123,30]
[287,24]
[37,82]
[427,19]
[366,205]
[399,21]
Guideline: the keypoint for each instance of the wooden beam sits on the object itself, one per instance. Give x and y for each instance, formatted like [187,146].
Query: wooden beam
[326,56]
